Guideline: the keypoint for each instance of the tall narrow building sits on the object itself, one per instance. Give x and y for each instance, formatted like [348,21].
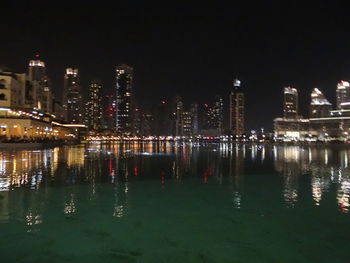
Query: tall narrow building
[37,92]
[218,110]
[124,99]
[94,106]
[108,112]
[320,107]
[178,113]
[237,108]
[194,113]
[290,103]
[343,95]
[36,70]
[212,118]
[72,98]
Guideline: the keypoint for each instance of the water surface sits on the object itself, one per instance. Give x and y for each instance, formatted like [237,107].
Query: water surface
[165,202]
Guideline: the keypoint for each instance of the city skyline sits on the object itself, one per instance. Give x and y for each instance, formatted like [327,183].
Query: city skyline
[188,51]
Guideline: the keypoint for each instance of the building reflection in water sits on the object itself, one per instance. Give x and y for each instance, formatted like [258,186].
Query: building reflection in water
[327,167]
[236,172]
[119,164]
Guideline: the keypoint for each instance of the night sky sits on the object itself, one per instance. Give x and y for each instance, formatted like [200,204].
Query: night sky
[193,51]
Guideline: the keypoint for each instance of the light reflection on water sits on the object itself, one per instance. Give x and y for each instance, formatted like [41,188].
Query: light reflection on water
[121,164]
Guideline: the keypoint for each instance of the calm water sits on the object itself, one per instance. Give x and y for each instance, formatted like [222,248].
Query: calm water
[175,203]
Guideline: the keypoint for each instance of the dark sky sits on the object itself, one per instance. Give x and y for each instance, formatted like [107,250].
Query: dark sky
[189,50]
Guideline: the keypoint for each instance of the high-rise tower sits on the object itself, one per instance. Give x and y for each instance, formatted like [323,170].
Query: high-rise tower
[94,106]
[124,96]
[290,103]
[72,98]
[36,70]
[320,107]
[38,93]
[343,95]
[237,108]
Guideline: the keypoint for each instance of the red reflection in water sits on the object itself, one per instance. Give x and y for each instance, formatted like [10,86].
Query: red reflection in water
[136,171]
[207,173]
[344,208]
[110,167]
[162,177]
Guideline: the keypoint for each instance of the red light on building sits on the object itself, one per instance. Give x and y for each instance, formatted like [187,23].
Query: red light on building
[206,105]
[163,101]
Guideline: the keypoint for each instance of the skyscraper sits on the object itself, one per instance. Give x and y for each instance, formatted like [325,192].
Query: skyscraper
[124,95]
[237,108]
[38,93]
[194,113]
[290,104]
[109,112]
[72,98]
[320,107]
[179,124]
[343,95]
[213,116]
[94,106]
[187,123]
[36,69]
[218,113]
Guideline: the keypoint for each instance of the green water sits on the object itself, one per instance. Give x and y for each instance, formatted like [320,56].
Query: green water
[175,203]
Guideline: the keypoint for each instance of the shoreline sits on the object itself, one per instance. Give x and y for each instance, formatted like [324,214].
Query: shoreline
[33,145]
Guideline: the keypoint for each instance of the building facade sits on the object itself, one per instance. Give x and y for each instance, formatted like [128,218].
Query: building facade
[343,95]
[94,107]
[237,108]
[320,107]
[290,103]
[72,97]
[124,99]
[109,112]
[11,90]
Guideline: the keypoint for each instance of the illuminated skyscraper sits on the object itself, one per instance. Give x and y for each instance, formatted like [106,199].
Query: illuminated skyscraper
[194,113]
[72,99]
[290,104]
[124,95]
[178,113]
[38,93]
[343,95]
[36,69]
[109,112]
[237,108]
[94,106]
[187,123]
[320,107]
[213,115]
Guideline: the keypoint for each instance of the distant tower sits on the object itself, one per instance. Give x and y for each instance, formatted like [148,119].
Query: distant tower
[320,107]
[178,116]
[94,106]
[194,114]
[218,113]
[290,105]
[36,69]
[237,108]
[124,95]
[109,112]
[343,95]
[72,99]
[38,87]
